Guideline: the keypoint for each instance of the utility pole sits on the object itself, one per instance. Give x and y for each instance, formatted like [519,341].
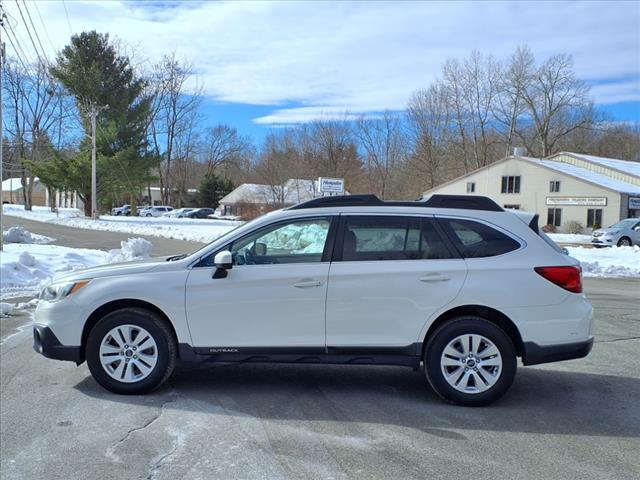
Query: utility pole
[2,57]
[93,114]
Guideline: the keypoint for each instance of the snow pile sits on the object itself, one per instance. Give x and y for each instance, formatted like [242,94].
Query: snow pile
[20,235]
[132,249]
[608,262]
[24,269]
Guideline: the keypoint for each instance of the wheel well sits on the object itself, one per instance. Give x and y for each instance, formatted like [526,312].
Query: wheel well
[107,308]
[494,316]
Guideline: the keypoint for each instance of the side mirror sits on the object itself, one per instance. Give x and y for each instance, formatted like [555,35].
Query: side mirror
[637,229]
[565,251]
[223,261]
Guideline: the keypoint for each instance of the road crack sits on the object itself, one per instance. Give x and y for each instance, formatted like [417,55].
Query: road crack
[617,339]
[110,451]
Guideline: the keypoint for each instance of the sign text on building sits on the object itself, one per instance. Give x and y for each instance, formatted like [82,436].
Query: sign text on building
[634,203]
[578,201]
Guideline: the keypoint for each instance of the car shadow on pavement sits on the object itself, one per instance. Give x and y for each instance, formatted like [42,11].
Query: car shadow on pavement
[540,401]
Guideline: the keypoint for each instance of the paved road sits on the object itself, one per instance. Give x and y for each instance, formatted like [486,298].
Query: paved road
[81,238]
[575,419]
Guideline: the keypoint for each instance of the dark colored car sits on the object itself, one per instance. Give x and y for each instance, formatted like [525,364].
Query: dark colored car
[200,213]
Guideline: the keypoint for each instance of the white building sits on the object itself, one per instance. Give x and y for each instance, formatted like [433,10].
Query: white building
[250,200]
[566,187]
[12,193]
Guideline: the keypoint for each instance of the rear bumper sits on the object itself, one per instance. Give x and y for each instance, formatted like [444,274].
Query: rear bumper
[46,343]
[535,354]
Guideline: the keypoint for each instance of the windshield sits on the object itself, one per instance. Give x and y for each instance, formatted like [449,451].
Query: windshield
[626,223]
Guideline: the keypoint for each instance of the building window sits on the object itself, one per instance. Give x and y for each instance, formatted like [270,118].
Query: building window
[511,184]
[471,187]
[594,218]
[554,186]
[554,216]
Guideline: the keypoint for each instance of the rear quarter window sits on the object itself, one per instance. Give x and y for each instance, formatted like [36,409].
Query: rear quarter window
[477,240]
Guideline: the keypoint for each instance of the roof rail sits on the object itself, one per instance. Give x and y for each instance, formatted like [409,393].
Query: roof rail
[465,202]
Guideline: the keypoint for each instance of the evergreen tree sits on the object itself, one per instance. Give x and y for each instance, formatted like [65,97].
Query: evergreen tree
[95,74]
[212,189]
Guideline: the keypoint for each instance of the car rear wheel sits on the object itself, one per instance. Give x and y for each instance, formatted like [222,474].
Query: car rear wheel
[624,242]
[470,361]
[131,351]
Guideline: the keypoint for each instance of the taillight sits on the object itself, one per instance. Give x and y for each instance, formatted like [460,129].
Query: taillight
[569,278]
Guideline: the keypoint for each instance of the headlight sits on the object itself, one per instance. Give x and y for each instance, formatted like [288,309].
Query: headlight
[58,291]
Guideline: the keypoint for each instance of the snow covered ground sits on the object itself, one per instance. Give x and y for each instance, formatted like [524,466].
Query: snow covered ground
[608,262]
[198,230]
[26,267]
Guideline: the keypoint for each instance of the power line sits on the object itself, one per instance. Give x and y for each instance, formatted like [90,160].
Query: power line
[44,27]
[35,31]
[35,48]
[67,15]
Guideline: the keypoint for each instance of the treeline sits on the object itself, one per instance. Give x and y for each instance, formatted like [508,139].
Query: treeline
[151,129]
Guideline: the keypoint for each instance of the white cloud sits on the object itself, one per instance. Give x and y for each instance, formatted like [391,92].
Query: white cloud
[360,57]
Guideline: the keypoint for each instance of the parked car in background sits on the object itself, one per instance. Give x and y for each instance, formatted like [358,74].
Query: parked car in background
[180,212]
[123,210]
[622,234]
[200,213]
[155,211]
[347,280]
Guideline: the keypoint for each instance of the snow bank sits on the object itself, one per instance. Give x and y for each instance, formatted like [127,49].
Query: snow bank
[197,230]
[132,249]
[26,268]
[608,262]
[569,238]
[41,214]
[20,235]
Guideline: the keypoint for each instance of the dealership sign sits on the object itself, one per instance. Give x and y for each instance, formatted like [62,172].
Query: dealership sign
[578,201]
[634,203]
[331,185]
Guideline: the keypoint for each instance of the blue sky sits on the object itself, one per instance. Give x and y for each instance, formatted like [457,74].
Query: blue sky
[270,63]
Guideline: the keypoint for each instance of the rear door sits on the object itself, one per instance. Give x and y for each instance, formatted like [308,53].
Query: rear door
[389,275]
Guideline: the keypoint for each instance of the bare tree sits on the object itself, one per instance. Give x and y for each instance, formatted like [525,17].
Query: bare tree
[221,146]
[33,101]
[557,104]
[385,148]
[429,121]
[174,117]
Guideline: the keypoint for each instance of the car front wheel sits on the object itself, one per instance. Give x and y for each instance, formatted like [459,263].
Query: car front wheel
[131,351]
[470,361]
[624,242]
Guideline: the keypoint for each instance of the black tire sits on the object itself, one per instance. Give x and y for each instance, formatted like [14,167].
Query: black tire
[157,328]
[624,242]
[448,332]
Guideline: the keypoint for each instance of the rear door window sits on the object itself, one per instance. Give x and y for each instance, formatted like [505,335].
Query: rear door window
[476,240]
[370,238]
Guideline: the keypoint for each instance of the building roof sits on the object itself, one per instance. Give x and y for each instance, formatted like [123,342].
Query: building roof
[587,175]
[625,166]
[293,191]
[14,184]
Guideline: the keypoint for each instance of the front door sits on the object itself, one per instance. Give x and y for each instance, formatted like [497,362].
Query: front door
[273,296]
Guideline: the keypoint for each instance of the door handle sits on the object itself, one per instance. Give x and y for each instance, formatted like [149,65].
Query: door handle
[307,283]
[434,277]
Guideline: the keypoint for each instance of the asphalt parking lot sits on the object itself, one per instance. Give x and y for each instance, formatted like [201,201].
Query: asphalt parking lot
[576,419]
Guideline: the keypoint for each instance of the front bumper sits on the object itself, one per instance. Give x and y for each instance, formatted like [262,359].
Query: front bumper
[535,354]
[46,343]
